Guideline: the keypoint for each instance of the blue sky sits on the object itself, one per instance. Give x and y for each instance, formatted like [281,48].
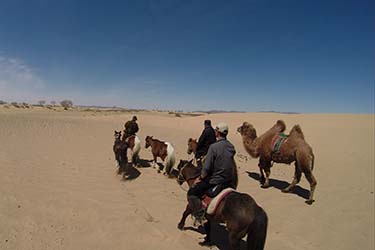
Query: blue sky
[292,55]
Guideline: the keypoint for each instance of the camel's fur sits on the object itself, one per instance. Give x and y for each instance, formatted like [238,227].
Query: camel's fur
[293,149]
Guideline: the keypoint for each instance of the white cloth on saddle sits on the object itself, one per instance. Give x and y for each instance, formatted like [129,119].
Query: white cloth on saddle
[216,201]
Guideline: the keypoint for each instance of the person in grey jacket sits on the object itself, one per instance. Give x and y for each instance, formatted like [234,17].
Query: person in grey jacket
[217,172]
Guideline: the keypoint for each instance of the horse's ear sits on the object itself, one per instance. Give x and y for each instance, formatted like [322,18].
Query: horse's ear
[190,140]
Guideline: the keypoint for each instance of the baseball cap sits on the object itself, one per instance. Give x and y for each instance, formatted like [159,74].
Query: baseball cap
[222,128]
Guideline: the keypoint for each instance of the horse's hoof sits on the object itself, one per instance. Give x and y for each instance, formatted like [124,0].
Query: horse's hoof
[180,226]
[309,202]
[285,190]
[265,186]
[206,243]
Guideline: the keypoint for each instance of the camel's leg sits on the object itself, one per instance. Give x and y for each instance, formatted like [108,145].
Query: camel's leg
[262,178]
[266,166]
[186,213]
[266,184]
[296,179]
[310,177]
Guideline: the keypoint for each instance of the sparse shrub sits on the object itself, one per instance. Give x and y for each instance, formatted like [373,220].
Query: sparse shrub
[41,102]
[66,104]
[2,102]
[177,115]
[14,104]
[25,105]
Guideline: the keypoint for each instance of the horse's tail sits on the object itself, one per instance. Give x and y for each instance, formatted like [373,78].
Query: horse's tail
[136,149]
[257,231]
[235,175]
[171,159]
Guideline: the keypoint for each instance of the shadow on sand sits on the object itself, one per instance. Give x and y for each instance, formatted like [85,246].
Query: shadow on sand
[219,236]
[297,190]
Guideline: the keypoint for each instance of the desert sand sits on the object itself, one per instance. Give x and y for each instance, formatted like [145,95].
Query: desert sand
[59,188]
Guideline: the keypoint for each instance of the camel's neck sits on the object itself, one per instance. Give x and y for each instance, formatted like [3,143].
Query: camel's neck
[250,145]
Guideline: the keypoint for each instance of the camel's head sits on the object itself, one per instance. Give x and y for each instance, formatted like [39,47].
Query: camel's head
[247,130]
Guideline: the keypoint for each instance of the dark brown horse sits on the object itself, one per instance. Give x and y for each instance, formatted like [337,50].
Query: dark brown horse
[163,150]
[238,211]
[119,149]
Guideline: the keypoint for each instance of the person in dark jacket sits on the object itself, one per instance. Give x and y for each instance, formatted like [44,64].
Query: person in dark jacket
[131,127]
[205,140]
[217,172]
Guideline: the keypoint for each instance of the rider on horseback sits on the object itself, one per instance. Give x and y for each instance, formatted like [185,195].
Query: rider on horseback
[205,140]
[217,172]
[131,127]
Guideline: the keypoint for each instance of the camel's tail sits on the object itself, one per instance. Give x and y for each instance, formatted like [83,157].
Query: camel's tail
[171,158]
[257,231]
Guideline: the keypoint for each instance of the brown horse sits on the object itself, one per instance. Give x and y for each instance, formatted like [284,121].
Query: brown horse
[119,149]
[164,150]
[238,211]
[192,146]
[273,146]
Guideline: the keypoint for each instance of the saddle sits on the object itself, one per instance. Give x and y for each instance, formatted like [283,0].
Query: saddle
[277,141]
[210,204]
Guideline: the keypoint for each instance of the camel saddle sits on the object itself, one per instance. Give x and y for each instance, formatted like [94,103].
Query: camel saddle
[211,204]
[277,141]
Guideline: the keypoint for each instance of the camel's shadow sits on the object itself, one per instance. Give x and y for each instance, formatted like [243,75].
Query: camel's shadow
[297,190]
[219,236]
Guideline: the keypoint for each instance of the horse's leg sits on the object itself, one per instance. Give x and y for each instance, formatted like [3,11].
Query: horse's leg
[234,240]
[310,177]
[207,239]
[296,179]
[186,213]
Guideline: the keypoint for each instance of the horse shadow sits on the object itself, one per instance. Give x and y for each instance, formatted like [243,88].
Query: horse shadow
[219,236]
[143,163]
[297,190]
[130,173]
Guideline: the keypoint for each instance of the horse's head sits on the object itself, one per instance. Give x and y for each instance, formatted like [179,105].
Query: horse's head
[192,146]
[117,135]
[246,129]
[148,141]
[186,171]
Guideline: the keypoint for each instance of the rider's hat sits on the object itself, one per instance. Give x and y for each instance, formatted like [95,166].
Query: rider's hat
[222,128]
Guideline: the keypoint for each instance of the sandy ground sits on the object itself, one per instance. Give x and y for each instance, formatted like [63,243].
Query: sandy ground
[59,188]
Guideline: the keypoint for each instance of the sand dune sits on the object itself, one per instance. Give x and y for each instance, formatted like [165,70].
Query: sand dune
[59,188]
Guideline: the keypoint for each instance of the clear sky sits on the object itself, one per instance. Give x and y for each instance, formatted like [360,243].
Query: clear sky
[248,55]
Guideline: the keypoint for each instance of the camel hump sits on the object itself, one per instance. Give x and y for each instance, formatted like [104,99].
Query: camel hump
[297,130]
[281,125]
